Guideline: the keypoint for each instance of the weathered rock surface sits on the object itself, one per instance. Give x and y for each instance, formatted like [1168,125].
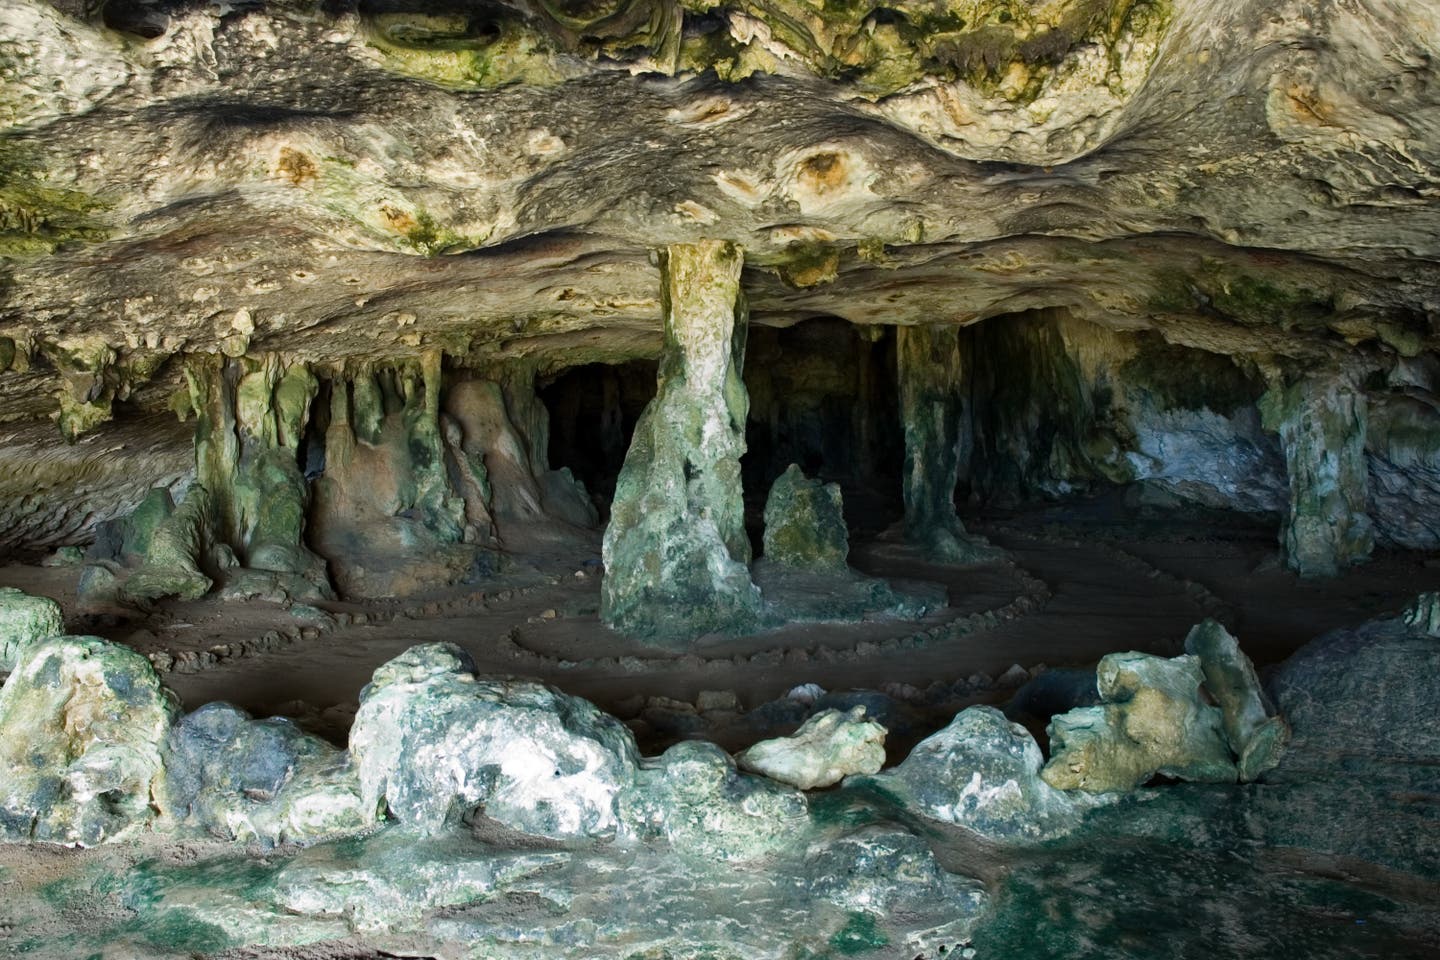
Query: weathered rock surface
[433,743]
[1256,736]
[25,620]
[828,747]
[982,772]
[83,724]
[1424,614]
[239,778]
[1322,425]
[805,523]
[1153,720]
[693,797]
[676,552]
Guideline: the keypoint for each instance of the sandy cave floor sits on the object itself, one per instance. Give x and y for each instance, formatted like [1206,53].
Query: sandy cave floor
[1110,582]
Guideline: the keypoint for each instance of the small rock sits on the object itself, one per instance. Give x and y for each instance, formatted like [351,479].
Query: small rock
[711,700]
[828,747]
[806,693]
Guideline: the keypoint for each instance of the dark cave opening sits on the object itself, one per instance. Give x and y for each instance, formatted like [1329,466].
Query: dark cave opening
[593,412]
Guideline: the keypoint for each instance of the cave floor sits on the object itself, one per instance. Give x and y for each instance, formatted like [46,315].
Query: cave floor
[1103,579]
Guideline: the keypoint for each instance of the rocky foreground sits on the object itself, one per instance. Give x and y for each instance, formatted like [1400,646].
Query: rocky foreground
[496,817]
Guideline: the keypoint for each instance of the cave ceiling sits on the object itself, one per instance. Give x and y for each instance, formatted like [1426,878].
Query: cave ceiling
[345,181]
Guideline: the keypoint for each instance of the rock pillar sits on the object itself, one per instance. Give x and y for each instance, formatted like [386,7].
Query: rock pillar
[930,409]
[1321,421]
[676,552]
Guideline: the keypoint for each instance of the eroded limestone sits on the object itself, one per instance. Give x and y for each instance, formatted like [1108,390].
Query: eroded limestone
[676,552]
[828,747]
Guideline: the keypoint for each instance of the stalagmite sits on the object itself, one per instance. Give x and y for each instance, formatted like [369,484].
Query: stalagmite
[676,551]
[930,408]
[1321,421]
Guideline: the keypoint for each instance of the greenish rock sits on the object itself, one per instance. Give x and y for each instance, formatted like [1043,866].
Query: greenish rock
[24,620]
[172,561]
[676,551]
[389,882]
[83,725]
[66,556]
[805,523]
[881,870]
[828,747]
[244,779]
[138,529]
[930,369]
[7,353]
[368,417]
[1322,426]
[1423,616]
[693,797]
[1256,735]
[982,773]
[1153,720]
[432,743]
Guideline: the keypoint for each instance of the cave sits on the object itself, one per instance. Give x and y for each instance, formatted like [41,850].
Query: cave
[733,479]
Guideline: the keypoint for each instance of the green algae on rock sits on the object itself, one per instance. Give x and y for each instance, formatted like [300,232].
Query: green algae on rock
[25,620]
[805,524]
[676,552]
[83,724]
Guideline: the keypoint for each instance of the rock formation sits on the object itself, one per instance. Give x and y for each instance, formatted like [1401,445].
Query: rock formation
[676,552]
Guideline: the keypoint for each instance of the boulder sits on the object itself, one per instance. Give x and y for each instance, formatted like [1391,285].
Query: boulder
[1153,720]
[83,725]
[982,773]
[433,742]
[828,747]
[24,620]
[805,523]
[1256,736]
[261,780]
[693,796]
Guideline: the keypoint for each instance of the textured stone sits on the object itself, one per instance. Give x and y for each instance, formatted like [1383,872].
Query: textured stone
[172,559]
[25,620]
[805,523]
[1256,736]
[261,780]
[930,410]
[676,551]
[828,747]
[1424,614]
[982,773]
[83,724]
[1153,720]
[433,742]
[1322,423]
[693,797]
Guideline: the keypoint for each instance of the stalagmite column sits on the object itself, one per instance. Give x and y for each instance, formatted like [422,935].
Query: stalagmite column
[676,552]
[930,408]
[1321,420]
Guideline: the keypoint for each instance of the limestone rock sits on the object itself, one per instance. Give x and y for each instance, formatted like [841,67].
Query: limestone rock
[1322,421]
[693,796]
[883,868]
[828,747]
[1153,720]
[172,558]
[25,620]
[83,724]
[982,772]
[1256,736]
[1423,615]
[676,551]
[261,780]
[434,742]
[390,881]
[805,523]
